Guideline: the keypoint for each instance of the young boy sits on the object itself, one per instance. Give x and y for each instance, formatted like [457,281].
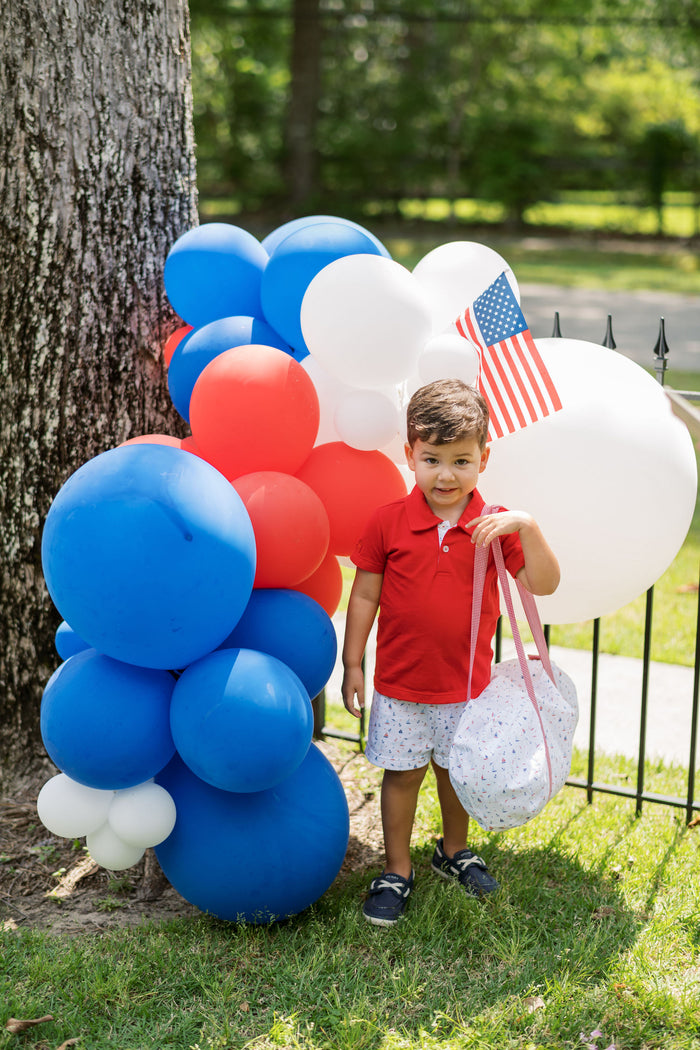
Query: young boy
[416,560]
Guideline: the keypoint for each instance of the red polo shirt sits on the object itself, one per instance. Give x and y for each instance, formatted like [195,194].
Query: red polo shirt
[426,601]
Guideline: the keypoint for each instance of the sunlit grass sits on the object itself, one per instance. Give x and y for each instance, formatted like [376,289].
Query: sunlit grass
[595,928]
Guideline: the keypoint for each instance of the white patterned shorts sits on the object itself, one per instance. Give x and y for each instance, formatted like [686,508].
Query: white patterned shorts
[406,735]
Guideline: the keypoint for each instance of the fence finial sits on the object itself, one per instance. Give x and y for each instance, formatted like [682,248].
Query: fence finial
[660,351]
[609,339]
[556,331]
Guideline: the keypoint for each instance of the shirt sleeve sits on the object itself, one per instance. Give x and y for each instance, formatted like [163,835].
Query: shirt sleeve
[370,550]
[513,553]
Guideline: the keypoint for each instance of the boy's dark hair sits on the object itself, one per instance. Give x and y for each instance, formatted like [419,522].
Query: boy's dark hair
[446,411]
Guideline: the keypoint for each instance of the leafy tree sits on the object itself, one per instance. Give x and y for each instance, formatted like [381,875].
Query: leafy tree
[97,182]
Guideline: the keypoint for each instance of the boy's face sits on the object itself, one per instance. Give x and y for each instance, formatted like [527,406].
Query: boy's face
[447,474]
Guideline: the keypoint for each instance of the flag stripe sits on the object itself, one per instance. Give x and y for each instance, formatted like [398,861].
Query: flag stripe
[500,362]
[526,383]
[545,376]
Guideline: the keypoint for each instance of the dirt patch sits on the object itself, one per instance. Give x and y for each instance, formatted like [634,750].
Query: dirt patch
[50,883]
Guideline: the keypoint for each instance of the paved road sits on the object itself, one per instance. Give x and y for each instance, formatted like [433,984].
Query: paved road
[583,314]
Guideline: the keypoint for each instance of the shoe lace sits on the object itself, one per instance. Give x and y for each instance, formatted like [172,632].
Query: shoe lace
[466,861]
[401,889]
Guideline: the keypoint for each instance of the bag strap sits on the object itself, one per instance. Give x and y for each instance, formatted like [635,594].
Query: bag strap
[481,558]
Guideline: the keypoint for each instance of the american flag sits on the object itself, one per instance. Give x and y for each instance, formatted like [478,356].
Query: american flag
[512,375]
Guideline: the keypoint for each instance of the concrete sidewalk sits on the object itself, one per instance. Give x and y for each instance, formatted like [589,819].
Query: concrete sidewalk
[669,704]
[583,314]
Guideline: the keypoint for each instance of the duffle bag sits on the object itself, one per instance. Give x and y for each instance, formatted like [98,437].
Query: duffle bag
[512,749]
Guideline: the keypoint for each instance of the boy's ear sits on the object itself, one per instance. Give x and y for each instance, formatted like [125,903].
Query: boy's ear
[409,456]
[484,458]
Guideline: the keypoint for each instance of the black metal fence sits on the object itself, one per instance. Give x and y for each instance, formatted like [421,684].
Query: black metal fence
[589,784]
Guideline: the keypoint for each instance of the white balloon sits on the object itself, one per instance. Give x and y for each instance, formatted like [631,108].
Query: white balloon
[396,449]
[366,319]
[70,809]
[367,419]
[329,390]
[448,356]
[455,274]
[111,852]
[611,479]
[143,815]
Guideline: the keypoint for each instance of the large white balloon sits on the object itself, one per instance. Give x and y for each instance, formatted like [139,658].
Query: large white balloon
[611,479]
[455,274]
[143,815]
[367,419]
[70,809]
[448,356]
[366,319]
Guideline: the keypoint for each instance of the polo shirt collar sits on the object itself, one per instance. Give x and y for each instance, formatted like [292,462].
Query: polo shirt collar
[420,516]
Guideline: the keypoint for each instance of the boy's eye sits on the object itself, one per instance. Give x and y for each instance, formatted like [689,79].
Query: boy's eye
[461,462]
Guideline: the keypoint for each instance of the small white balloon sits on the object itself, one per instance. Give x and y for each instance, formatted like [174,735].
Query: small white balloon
[143,815]
[367,419]
[455,274]
[611,479]
[366,319]
[109,851]
[329,390]
[448,356]
[72,810]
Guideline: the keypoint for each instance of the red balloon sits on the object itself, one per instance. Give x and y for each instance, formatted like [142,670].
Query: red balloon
[351,485]
[188,445]
[172,341]
[254,408]
[290,525]
[154,439]
[325,585]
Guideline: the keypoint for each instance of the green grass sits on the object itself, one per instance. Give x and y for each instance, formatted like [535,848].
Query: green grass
[596,928]
[574,212]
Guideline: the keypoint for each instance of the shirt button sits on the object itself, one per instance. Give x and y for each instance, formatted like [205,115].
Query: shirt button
[445,548]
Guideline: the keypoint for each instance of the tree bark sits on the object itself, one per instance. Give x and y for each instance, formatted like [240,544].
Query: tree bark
[97,180]
[301,165]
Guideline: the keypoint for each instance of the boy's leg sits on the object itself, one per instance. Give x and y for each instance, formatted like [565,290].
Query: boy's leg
[399,799]
[452,859]
[455,819]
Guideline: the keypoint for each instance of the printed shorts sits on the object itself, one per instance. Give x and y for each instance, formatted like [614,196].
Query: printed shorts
[406,735]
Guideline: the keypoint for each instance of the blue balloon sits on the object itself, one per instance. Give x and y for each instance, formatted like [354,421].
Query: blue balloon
[67,642]
[106,724]
[276,237]
[149,554]
[213,271]
[257,857]
[292,627]
[202,345]
[293,265]
[241,720]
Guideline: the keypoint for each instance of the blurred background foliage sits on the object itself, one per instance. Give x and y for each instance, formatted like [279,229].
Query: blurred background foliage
[377,109]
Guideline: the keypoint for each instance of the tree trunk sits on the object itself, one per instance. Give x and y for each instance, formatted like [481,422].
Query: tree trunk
[305,74]
[97,180]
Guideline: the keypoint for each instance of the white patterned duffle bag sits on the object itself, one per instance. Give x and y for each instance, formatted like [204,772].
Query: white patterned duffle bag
[512,749]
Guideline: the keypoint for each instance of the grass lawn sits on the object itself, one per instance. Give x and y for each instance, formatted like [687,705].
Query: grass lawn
[596,929]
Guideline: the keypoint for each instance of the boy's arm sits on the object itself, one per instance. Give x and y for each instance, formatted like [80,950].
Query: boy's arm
[540,574]
[362,608]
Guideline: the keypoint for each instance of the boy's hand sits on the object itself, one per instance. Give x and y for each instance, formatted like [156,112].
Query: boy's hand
[354,686]
[540,574]
[489,526]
